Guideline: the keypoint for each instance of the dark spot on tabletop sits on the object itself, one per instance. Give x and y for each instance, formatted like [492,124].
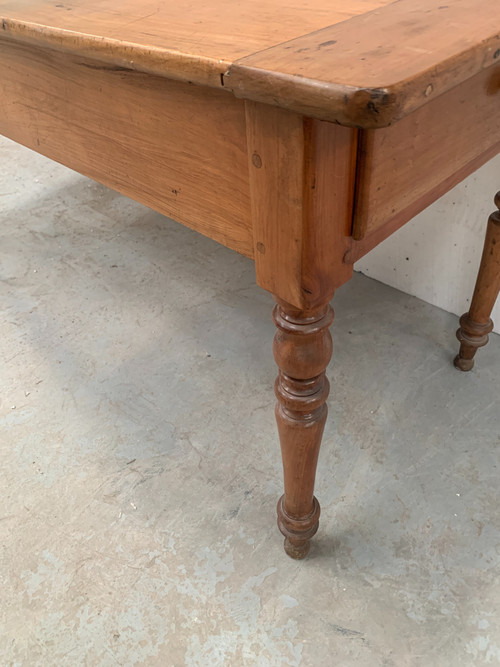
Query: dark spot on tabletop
[307,291]
[496,54]
[330,42]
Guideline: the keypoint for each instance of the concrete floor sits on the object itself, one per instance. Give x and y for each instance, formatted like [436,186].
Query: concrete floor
[140,467]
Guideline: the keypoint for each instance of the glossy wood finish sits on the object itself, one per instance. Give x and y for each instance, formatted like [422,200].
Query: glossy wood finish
[136,133]
[302,350]
[476,324]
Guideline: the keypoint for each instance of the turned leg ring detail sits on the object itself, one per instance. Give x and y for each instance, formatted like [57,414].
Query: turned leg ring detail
[298,532]
[302,350]
[476,324]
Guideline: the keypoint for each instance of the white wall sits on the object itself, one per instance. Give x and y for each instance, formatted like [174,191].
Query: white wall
[436,255]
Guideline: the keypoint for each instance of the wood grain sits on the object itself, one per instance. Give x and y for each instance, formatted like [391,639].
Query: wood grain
[181,39]
[377,67]
[363,63]
[178,148]
[477,324]
[302,349]
[404,168]
[359,247]
[301,183]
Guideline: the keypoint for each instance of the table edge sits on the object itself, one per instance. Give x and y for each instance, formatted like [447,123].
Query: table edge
[252,77]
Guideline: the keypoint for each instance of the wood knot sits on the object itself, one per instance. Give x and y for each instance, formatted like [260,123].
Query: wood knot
[256,160]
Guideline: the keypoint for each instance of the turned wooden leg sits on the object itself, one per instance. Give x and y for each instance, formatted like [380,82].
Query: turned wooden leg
[476,324]
[302,350]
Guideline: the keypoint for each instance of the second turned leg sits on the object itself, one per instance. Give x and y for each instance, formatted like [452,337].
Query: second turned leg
[302,350]
[476,324]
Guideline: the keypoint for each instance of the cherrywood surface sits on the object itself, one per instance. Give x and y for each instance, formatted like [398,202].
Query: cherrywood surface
[377,67]
[404,168]
[107,89]
[359,247]
[477,324]
[364,63]
[301,182]
[136,133]
[302,350]
[185,39]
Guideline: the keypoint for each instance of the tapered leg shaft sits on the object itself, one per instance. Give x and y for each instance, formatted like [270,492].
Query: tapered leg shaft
[476,324]
[302,350]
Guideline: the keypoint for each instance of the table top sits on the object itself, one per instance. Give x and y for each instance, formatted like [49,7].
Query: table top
[364,63]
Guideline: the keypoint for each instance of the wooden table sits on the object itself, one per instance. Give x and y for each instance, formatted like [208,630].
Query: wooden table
[298,134]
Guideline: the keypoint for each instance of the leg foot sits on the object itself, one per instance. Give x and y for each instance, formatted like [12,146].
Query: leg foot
[297,552]
[463,364]
[298,532]
[471,335]
[302,350]
[476,324]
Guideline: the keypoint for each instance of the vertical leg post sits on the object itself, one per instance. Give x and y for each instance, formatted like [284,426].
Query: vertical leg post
[476,324]
[302,350]
[302,175]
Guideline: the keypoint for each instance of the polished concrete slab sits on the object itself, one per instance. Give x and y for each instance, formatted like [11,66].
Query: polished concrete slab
[139,463]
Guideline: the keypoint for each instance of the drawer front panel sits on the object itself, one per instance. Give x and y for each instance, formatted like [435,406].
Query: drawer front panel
[404,168]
